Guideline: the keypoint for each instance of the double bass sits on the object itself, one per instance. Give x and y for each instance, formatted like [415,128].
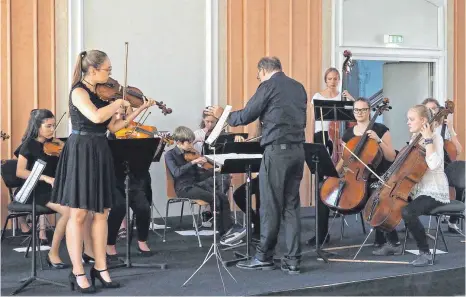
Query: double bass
[383,209]
[348,194]
[337,128]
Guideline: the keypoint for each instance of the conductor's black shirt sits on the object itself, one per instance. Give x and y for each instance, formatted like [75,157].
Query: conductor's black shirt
[280,104]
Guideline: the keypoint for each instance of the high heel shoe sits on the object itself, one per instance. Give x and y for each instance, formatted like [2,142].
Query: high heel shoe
[145,253]
[74,284]
[96,274]
[87,259]
[59,265]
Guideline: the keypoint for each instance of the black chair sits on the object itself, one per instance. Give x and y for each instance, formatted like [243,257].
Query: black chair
[455,174]
[16,209]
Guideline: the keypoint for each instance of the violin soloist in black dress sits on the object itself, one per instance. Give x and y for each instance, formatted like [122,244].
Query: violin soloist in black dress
[85,175]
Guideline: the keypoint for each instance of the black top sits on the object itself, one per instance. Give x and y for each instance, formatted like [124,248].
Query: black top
[380,130]
[81,122]
[280,104]
[33,150]
[184,173]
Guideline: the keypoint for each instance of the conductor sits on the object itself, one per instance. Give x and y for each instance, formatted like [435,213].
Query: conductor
[280,105]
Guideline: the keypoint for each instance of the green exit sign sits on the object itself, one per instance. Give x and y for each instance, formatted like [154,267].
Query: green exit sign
[393,39]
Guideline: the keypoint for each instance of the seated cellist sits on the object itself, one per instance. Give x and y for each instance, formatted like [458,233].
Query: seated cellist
[429,193]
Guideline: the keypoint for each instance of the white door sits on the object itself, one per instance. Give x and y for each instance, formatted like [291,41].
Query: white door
[405,84]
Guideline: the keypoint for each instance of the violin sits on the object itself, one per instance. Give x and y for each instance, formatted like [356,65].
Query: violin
[337,128]
[383,209]
[137,131]
[191,154]
[53,148]
[112,90]
[348,194]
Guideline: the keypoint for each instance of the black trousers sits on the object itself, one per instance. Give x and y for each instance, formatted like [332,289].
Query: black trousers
[140,198]
[240,199]
[203,190]
[422,205]
[323,210]
[280,173]
[459,197]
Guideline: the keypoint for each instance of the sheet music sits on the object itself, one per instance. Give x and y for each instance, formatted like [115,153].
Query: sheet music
[221,158]
[23,195]
[219,127]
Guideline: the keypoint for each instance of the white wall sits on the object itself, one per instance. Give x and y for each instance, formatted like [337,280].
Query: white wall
[366,21]
[167,59]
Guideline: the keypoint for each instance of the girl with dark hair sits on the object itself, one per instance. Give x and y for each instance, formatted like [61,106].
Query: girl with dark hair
[40,129]
[85,172]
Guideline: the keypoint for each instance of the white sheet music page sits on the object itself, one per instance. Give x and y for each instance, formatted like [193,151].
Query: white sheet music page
[220,159]
[219,127]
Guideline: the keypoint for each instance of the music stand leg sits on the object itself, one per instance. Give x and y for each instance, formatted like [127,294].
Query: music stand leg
[246,256]
[33,277]
[126,262]
[214,250]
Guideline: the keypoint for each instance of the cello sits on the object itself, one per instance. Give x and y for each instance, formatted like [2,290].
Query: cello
[348,194]
[383,209]
[337,128]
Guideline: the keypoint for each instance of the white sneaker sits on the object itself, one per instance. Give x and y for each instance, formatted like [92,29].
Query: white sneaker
[232,236]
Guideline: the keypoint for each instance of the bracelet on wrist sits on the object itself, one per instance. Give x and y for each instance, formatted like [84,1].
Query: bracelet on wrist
[428,141]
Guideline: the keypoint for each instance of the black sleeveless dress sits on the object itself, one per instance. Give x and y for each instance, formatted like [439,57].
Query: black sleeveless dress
[85,175]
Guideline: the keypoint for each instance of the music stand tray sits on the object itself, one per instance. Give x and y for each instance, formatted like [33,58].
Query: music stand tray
[221,141]
[319,162]
[136,155]
[248,166]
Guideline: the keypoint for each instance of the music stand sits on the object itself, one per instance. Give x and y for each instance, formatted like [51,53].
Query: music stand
[136,155]
[22,197]
[248,166]
[319,162]
[333,110]
[222,140]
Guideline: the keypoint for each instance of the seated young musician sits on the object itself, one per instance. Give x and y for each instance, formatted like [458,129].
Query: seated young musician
[451,135]
[208,123]
[41,129]
[429,193]
[194,182]
[140,199]
[379,133]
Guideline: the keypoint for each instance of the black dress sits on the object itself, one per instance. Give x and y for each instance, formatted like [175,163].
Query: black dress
[33,150]
[85,176]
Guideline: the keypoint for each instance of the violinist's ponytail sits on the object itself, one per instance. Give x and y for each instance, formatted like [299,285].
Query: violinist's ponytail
[93,58]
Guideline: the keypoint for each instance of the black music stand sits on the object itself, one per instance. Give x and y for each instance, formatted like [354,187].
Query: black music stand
[136,155]
[22,197]
[247,166]
[334,110]
[221,141]
[319,162]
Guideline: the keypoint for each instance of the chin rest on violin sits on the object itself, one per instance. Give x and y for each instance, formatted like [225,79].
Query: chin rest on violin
[112,90]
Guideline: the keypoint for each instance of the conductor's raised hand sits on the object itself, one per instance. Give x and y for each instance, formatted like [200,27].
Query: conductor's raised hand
[215,111]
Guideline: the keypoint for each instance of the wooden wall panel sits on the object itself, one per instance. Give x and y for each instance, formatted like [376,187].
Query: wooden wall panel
[459,76]
[28,68]
[288,29]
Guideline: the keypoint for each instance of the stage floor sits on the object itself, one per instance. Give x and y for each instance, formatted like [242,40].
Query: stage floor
[183,257]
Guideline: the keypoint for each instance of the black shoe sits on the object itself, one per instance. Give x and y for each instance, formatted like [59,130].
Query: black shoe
[145,253]
[87,259]
[96,274]
[312,241]
[60,265]
[112,258]
[255,264]
[44,241]
[29,232]
[74,285]
[290,269]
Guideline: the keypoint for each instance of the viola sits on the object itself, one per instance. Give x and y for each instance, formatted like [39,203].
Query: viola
[112,90]
[338,128]
[348,194]
[191,154]
[383,209]
[53,148]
